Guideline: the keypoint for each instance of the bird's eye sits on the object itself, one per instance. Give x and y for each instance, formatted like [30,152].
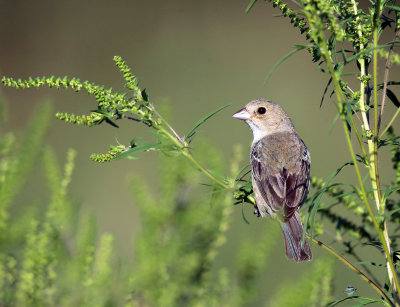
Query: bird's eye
[261,110]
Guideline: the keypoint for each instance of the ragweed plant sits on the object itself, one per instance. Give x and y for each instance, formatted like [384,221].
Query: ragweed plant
[113,106]
[339,33]
[48,255]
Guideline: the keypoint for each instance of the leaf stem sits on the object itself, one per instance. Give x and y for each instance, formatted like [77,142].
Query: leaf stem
[188,155]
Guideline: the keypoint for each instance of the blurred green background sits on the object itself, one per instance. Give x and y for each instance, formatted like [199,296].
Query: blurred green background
[192,56]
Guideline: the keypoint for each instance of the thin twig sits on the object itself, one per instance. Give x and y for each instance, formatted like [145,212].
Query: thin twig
[169,126]
[354,268]
[374,167]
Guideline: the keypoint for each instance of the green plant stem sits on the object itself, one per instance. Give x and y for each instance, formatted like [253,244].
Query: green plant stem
[185,150]
[188,155]
[362,74]
[375,162]
[372,144]
[382,237]
[374,153]
[354,268]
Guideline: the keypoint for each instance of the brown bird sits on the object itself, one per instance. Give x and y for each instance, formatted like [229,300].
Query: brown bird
[280,169]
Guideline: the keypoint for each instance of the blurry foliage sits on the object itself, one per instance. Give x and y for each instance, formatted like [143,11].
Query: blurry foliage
[312,289]
[56,257]
[47,258]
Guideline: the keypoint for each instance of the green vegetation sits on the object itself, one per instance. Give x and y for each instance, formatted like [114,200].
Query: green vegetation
[53,255]
[182,233]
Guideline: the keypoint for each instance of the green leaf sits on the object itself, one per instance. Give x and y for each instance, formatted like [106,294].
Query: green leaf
[110,122]
[364,51]
[389,190]
[243,216]
[371,263]
[202,120]
[145,96]
[334,198]
[252,2]
[349,110]
[326,89]
[337,116]
[388,214]
[392,97]
[296,49]
[241,175]
[393,7]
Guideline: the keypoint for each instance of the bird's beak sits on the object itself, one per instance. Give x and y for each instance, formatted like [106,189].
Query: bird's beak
[242,114]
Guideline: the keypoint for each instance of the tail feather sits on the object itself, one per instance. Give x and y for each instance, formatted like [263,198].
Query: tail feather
[292,233]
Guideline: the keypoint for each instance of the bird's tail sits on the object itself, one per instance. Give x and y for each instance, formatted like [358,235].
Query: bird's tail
[292,233]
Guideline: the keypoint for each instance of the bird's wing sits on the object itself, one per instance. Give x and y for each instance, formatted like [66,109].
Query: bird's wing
[281,172]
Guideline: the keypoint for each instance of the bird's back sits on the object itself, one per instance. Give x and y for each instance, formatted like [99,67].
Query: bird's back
[282,150]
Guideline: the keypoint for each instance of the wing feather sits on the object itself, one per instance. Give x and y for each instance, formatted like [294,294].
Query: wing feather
[280,168]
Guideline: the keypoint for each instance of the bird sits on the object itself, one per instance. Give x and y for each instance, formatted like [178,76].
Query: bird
[280,171]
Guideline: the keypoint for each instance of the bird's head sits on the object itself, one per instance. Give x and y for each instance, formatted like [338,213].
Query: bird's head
[264,117]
